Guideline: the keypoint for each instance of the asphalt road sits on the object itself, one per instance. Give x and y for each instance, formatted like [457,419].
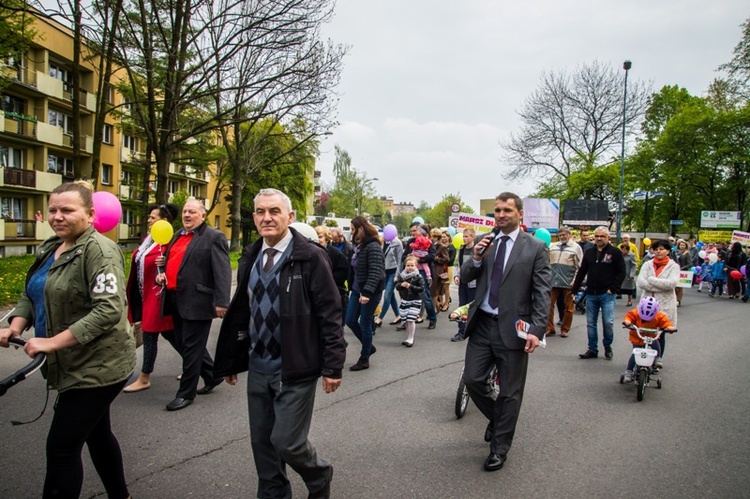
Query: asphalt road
[390,431]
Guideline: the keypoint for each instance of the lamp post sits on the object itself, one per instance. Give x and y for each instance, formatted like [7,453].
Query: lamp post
[626,66]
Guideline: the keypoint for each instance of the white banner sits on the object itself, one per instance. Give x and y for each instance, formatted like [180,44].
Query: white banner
[479,223]
[720,219]
[686,279]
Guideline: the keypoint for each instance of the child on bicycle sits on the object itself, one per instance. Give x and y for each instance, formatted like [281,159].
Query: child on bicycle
[410,286]
[646,315]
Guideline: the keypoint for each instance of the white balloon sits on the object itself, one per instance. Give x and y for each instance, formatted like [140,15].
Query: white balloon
[713,258]
[305,230]
[702,254]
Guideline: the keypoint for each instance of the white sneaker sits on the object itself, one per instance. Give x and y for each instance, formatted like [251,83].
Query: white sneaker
[627,377]
[658,364]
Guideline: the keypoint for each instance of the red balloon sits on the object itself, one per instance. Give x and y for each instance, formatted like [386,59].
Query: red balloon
[736,274]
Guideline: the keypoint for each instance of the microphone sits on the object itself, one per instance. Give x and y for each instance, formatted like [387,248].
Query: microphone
[492,235]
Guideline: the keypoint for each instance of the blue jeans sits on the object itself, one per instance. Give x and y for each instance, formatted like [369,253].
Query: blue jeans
[605,302]
[427,299]
[360,319]
[389,297]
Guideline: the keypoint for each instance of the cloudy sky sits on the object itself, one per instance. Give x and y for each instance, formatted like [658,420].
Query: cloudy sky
[430,88]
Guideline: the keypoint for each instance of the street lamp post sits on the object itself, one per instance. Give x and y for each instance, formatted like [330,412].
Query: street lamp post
[626,66]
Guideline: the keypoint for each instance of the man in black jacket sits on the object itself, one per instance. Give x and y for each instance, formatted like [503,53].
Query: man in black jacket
[283,327]
[605,267]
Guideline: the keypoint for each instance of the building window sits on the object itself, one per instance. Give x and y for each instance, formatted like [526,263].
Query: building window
[217,221]
[11,157]
[195,191]
[107,174]
[58,164]
[107,134]
[109,94]
[60,73]
[126,177]
[172,187]
[130,142]
[64,121]
[13,104]
[13,208]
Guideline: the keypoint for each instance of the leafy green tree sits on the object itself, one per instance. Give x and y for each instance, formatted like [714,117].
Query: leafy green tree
[738,69]
[438,215]
[353,192]
[16,33]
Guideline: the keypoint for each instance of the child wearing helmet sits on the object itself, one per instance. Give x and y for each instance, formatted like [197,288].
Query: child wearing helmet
[645,315]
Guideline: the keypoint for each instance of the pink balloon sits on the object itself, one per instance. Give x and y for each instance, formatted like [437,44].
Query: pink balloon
[107,211]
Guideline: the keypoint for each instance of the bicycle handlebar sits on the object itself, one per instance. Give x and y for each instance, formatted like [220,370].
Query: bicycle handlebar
[657,332]
[26,371]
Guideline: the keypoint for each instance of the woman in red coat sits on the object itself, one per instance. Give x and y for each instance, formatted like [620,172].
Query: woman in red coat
[144,297]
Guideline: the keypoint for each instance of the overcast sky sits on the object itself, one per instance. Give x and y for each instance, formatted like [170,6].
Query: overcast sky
[431,87]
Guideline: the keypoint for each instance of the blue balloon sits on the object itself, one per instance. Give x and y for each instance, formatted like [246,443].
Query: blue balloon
[451,231]
[417,219]
[544,235]
[700,244]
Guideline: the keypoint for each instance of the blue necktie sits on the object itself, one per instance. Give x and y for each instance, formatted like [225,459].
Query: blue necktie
[497,272]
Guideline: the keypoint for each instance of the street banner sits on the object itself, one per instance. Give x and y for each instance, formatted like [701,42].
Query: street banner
[686,279]
[541,213]
[720,219]
[714,236]
[741,237]
[479,223]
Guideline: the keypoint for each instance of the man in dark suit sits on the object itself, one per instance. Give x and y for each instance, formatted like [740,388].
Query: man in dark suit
[198,279]
[513,284]
[284,328]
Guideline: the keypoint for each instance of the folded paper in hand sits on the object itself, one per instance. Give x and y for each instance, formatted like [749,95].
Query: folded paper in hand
[522,330]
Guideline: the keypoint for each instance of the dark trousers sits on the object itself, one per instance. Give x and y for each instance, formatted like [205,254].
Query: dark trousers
[485,348]
[191,338]
[82,416]
[280,417]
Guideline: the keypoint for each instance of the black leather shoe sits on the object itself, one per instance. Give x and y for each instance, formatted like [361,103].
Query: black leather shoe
[209,388]
[608,353]
[402,327]
[373,349]
[589,355]
[325,492]
[494,462]
[432,325]
[178,404]
[361,365]
[489,431]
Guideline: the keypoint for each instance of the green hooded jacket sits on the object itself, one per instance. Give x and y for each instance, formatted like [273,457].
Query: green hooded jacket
[85,293]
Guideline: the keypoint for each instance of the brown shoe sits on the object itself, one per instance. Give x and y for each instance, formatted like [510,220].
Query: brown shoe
[563,334]
[550,333]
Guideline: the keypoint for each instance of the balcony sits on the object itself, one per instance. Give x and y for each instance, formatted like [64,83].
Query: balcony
[19,177]
[17,229]
[19,125]
[22,75]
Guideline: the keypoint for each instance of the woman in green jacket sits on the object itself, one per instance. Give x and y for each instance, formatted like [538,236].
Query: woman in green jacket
[75,299]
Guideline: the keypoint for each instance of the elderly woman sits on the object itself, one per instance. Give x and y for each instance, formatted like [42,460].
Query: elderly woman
[75,299]
[659,277]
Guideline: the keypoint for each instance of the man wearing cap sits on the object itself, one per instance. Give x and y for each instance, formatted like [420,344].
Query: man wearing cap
[564,258]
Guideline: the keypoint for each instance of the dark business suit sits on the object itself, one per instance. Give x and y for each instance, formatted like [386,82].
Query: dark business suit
[524,293]
[203,283]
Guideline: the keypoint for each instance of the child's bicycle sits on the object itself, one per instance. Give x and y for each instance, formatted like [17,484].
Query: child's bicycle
[644,361]
[25,371]
[462,394]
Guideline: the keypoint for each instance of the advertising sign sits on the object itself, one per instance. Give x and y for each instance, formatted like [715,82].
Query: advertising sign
[585,213]
[720,219]
[541,213]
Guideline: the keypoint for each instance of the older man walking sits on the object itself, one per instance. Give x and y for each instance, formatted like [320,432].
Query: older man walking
[564,258]
[284,328]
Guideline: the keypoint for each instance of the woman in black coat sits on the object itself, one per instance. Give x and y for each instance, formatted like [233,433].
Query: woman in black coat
[367,279]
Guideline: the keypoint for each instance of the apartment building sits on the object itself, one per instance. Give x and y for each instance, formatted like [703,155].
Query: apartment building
[36,146]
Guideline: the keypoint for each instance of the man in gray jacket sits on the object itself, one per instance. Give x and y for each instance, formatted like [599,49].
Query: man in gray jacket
[564,258]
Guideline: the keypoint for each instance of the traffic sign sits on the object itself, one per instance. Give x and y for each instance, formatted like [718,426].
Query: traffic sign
[455,207]
[676,222]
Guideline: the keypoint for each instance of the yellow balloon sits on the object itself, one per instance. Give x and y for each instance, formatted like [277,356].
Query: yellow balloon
[161,232]
[458,240]
[646,242]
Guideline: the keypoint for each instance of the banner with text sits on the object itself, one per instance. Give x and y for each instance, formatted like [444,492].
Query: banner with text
[479,223]
[686,279]
[741,237]
[720,219]
[714,236]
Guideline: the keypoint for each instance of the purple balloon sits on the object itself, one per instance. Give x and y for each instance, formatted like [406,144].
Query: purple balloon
[743,270]
[390,232]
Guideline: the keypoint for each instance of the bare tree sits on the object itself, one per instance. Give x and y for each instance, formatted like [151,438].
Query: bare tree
[573,121]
